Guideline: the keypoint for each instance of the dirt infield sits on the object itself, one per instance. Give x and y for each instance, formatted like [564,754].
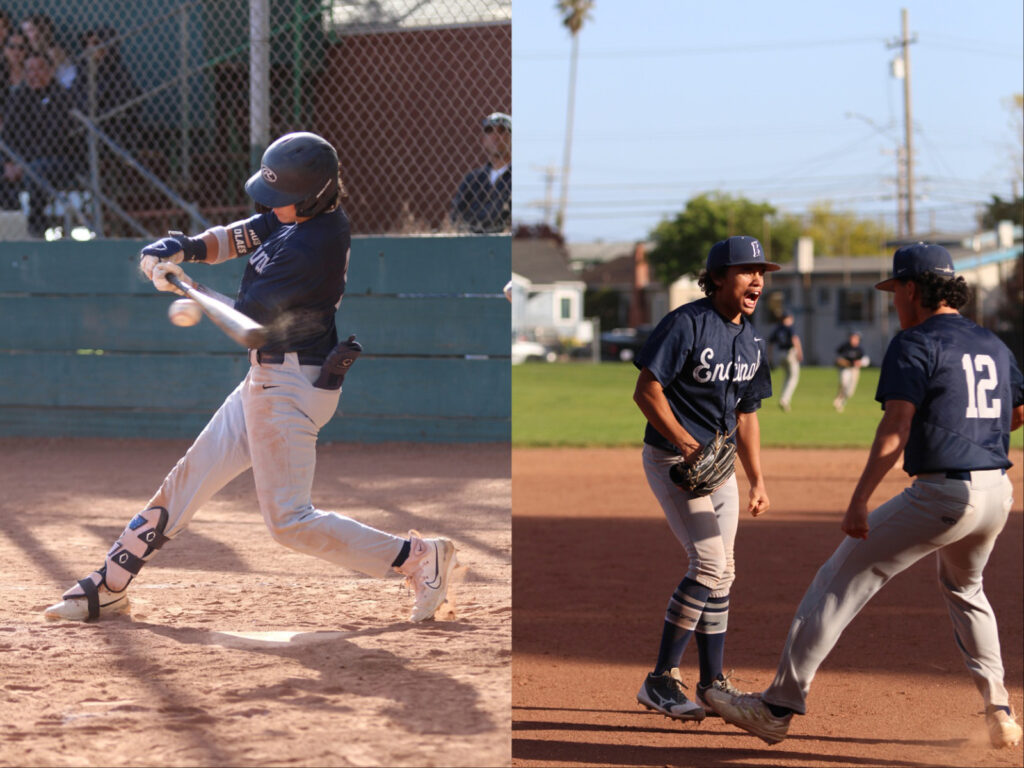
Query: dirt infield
[240,652]
[595,563]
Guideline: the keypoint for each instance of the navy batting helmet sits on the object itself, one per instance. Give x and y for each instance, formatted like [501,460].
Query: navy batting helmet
[299,169]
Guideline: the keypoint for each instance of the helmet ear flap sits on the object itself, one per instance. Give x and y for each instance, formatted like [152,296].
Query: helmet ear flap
[327,198]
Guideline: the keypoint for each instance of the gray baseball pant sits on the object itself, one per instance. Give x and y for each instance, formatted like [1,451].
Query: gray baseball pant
[705,525]
[959,520]
[270,422]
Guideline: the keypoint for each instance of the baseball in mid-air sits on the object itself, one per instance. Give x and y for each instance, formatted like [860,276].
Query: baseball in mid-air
[184,312]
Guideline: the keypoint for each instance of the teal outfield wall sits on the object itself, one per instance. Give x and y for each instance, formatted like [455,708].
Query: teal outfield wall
[86,348]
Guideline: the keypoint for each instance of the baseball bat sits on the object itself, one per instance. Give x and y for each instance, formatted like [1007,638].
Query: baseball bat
[237,326]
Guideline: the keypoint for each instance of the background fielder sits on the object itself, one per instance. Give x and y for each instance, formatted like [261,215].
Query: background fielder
[952,393]
[298,253]
[787,341]
[850,358]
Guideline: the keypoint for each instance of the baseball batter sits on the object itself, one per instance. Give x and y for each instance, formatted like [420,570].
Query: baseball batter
[702,373]
[952,393]
[297,252]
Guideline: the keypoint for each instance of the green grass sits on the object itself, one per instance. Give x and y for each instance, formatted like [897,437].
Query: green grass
[582,404]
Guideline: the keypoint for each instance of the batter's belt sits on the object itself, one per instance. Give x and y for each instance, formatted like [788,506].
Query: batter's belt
[276,358]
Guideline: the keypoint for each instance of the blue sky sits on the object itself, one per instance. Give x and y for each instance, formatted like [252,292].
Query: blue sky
[786,102]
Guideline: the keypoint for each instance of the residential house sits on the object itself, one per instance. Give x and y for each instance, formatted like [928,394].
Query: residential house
[546,295]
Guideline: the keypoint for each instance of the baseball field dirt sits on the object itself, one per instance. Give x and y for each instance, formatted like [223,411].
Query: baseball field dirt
[595,564]
[238,651]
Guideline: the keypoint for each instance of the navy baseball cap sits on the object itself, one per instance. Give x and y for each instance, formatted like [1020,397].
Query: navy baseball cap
[498,118]
[736,251]
[918,259]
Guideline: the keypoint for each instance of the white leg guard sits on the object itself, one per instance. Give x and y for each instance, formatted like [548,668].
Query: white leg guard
[105,590]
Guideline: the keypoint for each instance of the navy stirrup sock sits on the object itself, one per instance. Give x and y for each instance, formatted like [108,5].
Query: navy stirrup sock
[685,607]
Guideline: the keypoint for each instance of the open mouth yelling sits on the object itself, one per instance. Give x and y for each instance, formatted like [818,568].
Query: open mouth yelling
[750,300]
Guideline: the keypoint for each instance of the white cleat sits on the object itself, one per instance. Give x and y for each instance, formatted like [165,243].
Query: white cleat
[75,603]
[428,570]
[749,712]
[1003,729]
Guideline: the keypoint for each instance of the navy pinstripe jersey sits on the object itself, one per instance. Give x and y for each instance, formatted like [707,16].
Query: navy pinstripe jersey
[295,281]
[708,367]
[964,383]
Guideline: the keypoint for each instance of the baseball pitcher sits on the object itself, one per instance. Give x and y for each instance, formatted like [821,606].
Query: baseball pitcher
[702,379]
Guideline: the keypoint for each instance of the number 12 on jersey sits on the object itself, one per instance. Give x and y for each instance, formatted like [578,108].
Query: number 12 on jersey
[978,404]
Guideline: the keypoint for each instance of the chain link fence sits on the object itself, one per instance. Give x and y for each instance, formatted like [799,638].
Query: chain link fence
[127,119]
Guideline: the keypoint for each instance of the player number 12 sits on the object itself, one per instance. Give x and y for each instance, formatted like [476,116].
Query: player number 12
[978,404]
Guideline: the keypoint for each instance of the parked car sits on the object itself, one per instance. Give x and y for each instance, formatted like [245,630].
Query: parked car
[623,343]
[524,350]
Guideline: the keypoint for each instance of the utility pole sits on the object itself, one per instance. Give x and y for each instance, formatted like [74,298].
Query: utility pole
[901,183]
[901,69]
[549,182]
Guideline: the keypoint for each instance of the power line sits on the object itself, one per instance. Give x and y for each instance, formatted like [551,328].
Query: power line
[645,53]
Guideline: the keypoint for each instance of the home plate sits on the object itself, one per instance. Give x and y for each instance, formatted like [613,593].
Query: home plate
[283,636]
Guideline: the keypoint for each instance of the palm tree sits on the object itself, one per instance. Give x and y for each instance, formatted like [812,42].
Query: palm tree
[574,13]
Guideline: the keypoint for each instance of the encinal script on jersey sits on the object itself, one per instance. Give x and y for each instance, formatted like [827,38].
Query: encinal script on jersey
[708,371]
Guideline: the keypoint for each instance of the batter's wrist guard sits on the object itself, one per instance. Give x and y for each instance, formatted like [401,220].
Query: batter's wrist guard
[193,247]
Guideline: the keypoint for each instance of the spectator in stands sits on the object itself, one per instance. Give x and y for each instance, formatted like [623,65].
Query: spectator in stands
[15,50]
[39,30]
[483,202]
[38,127]
[5,30]
[114,84]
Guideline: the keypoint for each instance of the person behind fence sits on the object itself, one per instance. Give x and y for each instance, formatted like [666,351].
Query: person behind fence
[42,37]
[785,339]
[297,255]
[850,358]
[15,50]
[483,201]
[5,29]
[115,85]
[38,127]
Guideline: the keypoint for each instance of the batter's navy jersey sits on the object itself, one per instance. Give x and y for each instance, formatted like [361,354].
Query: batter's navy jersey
[708,367]
[299,270]
[964,383]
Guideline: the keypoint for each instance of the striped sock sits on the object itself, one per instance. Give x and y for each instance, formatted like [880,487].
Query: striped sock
[711,631]
[684,611]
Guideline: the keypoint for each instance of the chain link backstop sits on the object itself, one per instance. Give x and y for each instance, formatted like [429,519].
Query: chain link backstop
[144,116]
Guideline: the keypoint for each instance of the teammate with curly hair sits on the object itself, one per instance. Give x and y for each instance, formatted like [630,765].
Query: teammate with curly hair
[952,393]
